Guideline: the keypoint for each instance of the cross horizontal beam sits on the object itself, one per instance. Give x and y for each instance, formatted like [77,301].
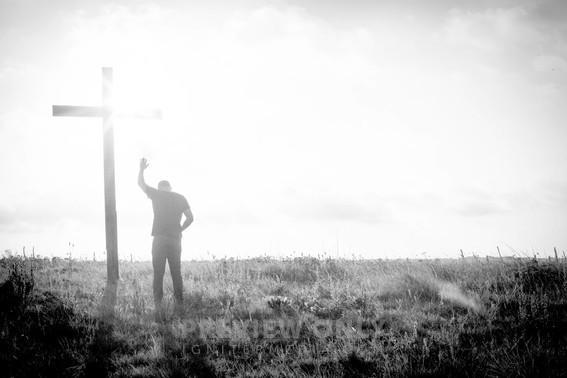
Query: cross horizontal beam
[77,111]
[99,111]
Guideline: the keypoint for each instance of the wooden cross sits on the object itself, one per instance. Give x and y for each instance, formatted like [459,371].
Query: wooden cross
[107,113]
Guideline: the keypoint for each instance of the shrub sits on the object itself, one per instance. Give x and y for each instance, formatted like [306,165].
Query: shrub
[41,334]
[15,292]
[534,277]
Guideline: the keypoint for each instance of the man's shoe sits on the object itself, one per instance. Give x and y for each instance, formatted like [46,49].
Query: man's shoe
[160,313]
[179,309]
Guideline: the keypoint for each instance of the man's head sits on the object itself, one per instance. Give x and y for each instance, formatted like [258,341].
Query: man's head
[164,185]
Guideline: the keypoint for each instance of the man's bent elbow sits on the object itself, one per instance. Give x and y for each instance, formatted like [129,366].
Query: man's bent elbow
[188,218]
[187,223]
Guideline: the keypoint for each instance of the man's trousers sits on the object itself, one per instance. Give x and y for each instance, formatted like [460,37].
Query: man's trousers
[167,248]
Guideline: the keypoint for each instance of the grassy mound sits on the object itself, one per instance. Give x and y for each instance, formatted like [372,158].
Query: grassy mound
[291,317]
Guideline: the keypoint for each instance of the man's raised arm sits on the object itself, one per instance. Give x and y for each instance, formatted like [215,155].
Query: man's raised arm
[141,182]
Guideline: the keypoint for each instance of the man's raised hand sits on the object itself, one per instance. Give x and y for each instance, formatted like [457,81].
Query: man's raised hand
[143,164]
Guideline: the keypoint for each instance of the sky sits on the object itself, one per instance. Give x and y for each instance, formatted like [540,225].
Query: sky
[373,129]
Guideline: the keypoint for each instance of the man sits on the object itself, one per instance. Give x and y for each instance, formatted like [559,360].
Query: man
[167,228]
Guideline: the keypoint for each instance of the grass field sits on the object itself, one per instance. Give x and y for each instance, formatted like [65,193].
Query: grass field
[294,317]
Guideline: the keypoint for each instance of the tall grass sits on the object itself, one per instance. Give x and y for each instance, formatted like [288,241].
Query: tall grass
[289,317]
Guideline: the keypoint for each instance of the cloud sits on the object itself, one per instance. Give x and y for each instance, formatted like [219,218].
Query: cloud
[43,183]
[37,212]
[336,208]
[113,20]
[492,29]
[13,70]
[480,208]
[474,201]
[551,70]
[521,37]
[238,215]
[550,12]
[552,192]
[6,215]
[273,24]
[543,63]
[270,23]
[549,90]
[114,33]
[471,200]
[522,45]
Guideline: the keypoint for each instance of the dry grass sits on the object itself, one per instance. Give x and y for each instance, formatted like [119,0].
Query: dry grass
[291,317]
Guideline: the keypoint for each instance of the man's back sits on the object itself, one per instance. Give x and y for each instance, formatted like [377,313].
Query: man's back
[168,209]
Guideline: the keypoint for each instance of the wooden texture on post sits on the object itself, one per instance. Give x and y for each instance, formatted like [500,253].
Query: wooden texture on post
[109,177]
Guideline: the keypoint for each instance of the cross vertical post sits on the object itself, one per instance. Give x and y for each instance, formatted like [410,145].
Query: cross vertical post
[109,177]
[107,112]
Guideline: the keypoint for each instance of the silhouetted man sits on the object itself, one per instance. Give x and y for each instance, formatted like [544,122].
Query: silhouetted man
[166,230]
